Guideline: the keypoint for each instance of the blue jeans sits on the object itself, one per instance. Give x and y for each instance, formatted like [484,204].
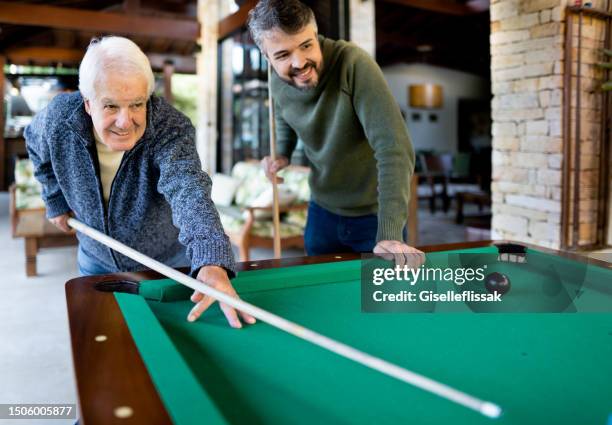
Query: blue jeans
[89,265]
[328,233]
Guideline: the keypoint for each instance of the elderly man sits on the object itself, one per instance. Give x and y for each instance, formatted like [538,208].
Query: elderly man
[333,96]
[124,162]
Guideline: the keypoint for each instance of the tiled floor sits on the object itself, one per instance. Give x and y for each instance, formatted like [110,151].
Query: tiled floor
[35,362]
[35,358]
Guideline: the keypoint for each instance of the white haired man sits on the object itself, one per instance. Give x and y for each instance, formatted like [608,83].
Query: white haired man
[124,162]
[332,96]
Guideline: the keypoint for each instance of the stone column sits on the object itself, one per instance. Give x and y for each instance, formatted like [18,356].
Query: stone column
[363,24]
[227,111]
[206,64]
[590,177]
[527,68]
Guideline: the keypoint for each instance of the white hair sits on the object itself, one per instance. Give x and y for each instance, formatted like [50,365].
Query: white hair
[112,54]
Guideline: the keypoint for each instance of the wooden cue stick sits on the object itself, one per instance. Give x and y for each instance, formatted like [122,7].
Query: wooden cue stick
[275,208]
[484,407]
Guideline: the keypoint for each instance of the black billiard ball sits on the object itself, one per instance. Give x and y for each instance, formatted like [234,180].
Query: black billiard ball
[497,282]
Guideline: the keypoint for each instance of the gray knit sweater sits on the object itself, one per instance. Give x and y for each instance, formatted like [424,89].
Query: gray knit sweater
[159,198]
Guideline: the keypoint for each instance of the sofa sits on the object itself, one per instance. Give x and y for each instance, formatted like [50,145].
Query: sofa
[244,202]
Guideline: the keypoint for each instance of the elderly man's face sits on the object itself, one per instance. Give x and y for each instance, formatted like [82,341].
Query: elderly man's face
[119,111]
[296,58]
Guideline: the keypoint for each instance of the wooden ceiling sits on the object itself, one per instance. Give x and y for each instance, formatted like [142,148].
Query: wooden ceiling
[449,33]
[52,32]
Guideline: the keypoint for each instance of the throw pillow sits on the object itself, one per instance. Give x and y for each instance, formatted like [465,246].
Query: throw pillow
[223,189]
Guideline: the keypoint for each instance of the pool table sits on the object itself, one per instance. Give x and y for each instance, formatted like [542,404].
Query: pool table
[138,361]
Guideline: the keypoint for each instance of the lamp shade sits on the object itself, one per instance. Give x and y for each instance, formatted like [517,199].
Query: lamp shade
[425,96]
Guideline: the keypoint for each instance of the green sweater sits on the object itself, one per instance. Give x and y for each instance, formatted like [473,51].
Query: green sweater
[353,135]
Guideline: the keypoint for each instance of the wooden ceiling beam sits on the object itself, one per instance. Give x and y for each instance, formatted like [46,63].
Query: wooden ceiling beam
[64,38]
[131,6]
[50,55]
[393,58]
[104,22]
[18,36]
[181,64]
[405,40]
[445,6]
[43,55]
[236,20]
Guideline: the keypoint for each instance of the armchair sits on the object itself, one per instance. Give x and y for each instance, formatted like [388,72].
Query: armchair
[247,220]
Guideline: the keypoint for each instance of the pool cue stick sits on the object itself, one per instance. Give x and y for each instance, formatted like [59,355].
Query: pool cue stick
[275,208]
[486,408]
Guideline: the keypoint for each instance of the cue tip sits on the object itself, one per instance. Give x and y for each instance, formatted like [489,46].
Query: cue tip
[491,410]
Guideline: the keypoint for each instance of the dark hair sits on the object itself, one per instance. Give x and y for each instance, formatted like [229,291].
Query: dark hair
[290,16]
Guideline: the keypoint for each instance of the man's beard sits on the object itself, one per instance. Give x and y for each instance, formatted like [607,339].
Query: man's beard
[293,72]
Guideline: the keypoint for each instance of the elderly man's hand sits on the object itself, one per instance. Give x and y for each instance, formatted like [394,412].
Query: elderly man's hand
[271,167]
[216,277]
[61,222]
[401,253]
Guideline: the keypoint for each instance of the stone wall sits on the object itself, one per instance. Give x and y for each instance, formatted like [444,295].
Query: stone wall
[527,67]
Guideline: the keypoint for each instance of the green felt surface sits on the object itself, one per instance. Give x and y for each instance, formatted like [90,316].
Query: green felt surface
[542,283]
[187,401]
[541,368]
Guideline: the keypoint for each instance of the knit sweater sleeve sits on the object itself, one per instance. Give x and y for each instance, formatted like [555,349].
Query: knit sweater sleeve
[286,138]
[386,132]
[187,189]
[37,135]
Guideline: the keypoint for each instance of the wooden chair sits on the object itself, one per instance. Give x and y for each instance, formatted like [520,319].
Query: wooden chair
[38,232]
[249,227]
[435,171]
[246,233]
[246,239]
